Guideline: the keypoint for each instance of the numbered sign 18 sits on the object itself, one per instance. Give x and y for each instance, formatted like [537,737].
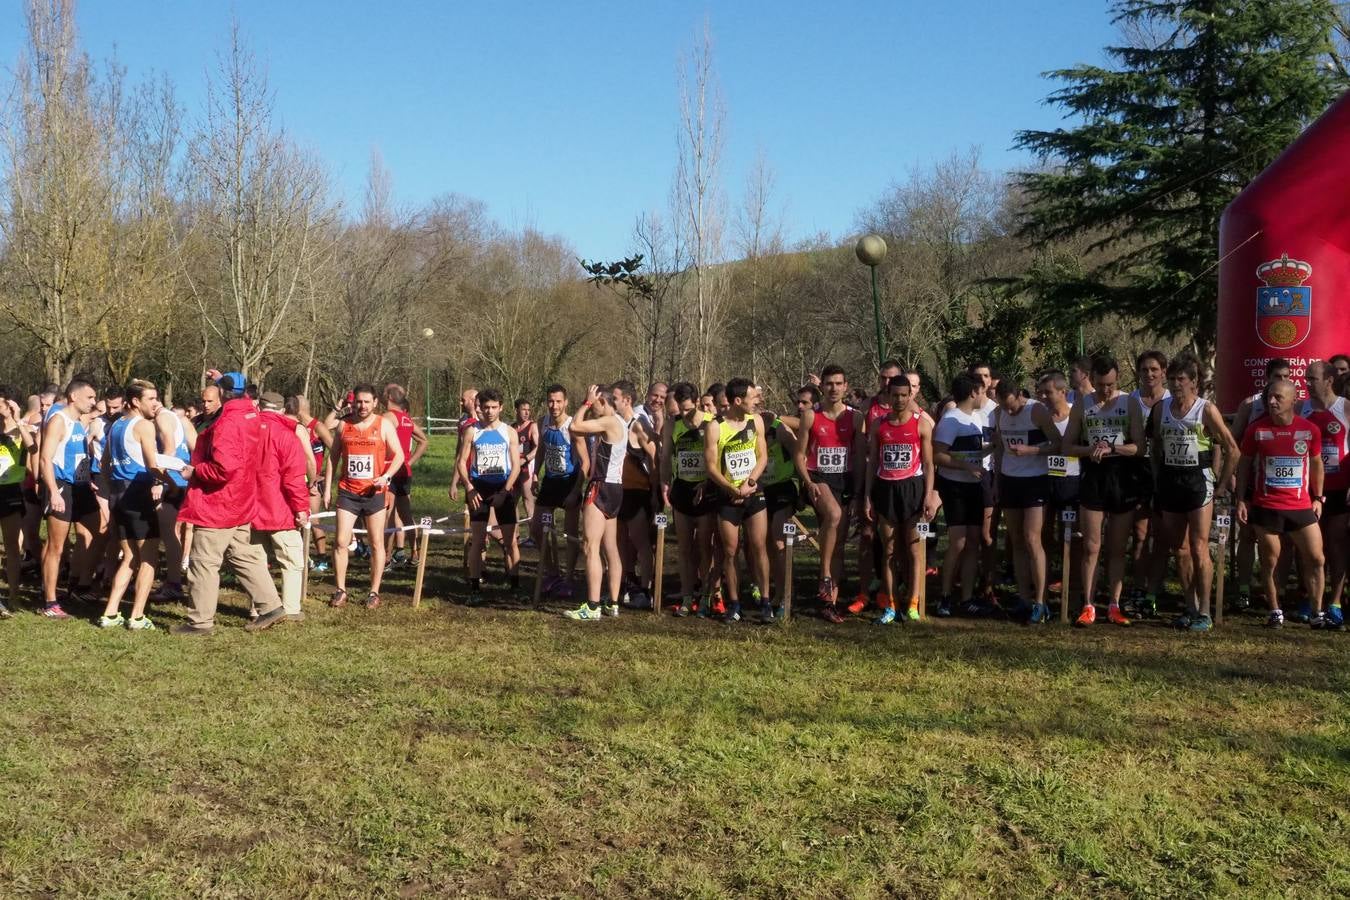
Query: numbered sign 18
[923,529]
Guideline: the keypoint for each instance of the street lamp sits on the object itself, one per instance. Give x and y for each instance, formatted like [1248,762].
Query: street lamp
[871,250]
[426,398]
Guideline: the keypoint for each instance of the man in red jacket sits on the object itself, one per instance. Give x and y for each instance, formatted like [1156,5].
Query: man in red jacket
[283,498]
[221,502]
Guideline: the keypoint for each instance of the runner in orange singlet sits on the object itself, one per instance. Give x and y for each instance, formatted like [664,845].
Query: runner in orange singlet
[367,454]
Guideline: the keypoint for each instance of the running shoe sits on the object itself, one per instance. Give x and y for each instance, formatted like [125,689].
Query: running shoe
[322,567]
[113,621]
[609,609]
[684,608]
[338,600]
[1087,616]
[827,592]
[1149,606]
[859,604]
[4,611]
[584,613]
[733,613]
[932,572]
[1275,619]
[1116,617]
[1201,623]
[913,612]
[169,591]
[719,606]
[141,624]
[756,598]
[54,611]
[766,612]
[1318,621]
[1244,600]
[830,614]
[372,600]
[884,600]
[944,609]
[1185,619]
[639,599]
[1305,614]
[1040,614]
[778,613]
[887,617]
[563,590]
[973,608]
[1335,617]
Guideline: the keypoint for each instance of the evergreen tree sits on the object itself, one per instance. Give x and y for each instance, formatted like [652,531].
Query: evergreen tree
[1205,94]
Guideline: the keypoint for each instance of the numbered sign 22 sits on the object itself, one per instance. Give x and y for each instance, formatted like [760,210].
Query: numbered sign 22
[424,522]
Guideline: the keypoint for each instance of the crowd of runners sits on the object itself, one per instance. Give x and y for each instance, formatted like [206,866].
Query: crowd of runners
[236,475]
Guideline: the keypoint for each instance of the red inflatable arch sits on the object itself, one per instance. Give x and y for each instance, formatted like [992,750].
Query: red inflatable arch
[1284,278]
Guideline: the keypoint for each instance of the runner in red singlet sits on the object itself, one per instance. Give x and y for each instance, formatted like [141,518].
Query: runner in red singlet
[321,478]
[830,449]
[413,440]
[900,491]
[1282,458]
[1331,414]
[869,543]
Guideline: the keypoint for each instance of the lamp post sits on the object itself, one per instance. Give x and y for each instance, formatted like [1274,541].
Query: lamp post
[871,250]
[426,398]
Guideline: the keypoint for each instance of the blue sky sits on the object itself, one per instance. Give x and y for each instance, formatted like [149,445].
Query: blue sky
[562,116]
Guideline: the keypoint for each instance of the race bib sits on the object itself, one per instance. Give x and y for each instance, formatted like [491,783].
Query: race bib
[1331,459]
[83,469]
[1284,472]
[739,463]
[690,465]
[832,460]
[1013,439]
[1111,434]
[360,466]
[555,460]
[6,463]
[897,457]
[490,459]
[1181,450]
[973,457]
[1063,466]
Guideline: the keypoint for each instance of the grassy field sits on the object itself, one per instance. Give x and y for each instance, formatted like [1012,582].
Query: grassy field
[507,752]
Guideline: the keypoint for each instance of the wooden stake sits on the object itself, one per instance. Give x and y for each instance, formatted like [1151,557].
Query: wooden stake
[805,532]
[546,522]
[789,543]
[1067,519]
[1223,524]
[423,542]
[464,563]
[304,576]
[660,568]
[925,531]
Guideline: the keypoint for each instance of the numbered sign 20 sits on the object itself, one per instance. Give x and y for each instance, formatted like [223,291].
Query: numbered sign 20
[662,520]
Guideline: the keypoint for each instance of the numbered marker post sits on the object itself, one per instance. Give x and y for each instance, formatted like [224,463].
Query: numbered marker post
[1223,527]
[803,532]
[464,563]
[545,522]
[1068,522]
[305,535]
[658,576]
[423,543]
[789,542]
[925,532]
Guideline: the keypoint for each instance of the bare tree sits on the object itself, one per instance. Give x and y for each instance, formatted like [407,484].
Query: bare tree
[699,194]
[262,206]
[759,234]
[61,137]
